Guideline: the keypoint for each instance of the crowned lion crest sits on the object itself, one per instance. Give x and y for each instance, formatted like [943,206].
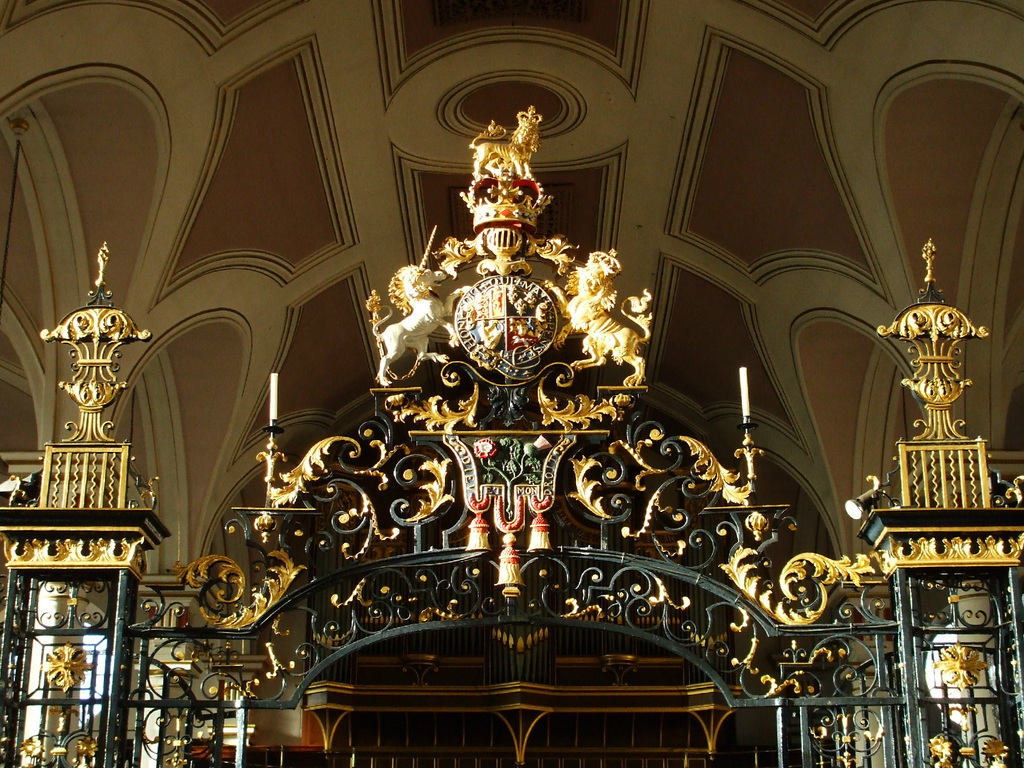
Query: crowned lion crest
[500,159]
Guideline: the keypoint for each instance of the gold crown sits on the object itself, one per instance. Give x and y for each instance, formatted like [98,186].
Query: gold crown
[504,192]
[505,202]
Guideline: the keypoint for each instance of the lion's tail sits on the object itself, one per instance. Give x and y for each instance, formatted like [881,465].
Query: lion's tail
[491,133]
[635,308]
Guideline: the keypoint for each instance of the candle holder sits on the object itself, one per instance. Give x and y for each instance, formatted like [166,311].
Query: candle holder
[749,451]
[755,521]
[265,522]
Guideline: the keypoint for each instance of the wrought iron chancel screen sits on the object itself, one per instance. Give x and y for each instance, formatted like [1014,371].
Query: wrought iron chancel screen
[521,520]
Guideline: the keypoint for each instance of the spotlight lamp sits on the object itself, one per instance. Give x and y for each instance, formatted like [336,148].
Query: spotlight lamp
[861,505]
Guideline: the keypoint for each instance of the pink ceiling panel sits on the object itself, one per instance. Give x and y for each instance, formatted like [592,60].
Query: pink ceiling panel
[207,367]
[326,366]
[764,185]
[708,373]
[267,193]
[935,136]
[833,359]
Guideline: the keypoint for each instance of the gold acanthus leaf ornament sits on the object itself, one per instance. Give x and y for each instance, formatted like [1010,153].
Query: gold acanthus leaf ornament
[960,665]
[923,551]
[556,249]
[76,553]
[705,467]
[65,666]
[313,468]
[708,468]
[577,413]
[809,567]
[436,414]
[226,582]
[438,472]
[933,321]
[585,489]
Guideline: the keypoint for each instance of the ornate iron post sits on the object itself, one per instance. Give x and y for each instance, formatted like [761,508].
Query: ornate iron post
[952,551]
[75,550]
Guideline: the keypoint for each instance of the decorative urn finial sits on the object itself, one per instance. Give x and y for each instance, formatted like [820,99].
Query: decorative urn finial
[95,332]
[936,331]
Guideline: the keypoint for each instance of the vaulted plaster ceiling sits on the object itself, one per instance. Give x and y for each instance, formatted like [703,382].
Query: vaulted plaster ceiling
[769,169]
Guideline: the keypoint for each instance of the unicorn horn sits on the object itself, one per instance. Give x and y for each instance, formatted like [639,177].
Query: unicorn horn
[426,253]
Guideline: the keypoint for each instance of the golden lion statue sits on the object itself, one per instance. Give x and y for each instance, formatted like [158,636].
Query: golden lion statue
[588,311]
[492,157]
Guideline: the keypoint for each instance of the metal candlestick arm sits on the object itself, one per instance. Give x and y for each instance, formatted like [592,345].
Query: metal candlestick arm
[265,523]
[748,451]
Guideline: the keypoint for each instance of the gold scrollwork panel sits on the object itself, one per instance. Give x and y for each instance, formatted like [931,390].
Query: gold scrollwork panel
[224,580]
[802,582]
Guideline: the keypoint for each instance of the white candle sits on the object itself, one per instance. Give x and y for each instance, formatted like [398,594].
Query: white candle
[744,395]
[273,398]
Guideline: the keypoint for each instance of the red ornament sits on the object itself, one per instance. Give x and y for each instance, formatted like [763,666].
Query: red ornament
[485,448]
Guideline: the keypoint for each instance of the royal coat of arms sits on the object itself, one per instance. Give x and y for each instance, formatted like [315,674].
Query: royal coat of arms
[507,320]
[506,324]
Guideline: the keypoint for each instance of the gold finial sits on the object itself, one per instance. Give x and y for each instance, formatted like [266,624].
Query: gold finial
[102,257]
[748,452]
[101,295]
[265,523]
[936,331]
[928,254]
